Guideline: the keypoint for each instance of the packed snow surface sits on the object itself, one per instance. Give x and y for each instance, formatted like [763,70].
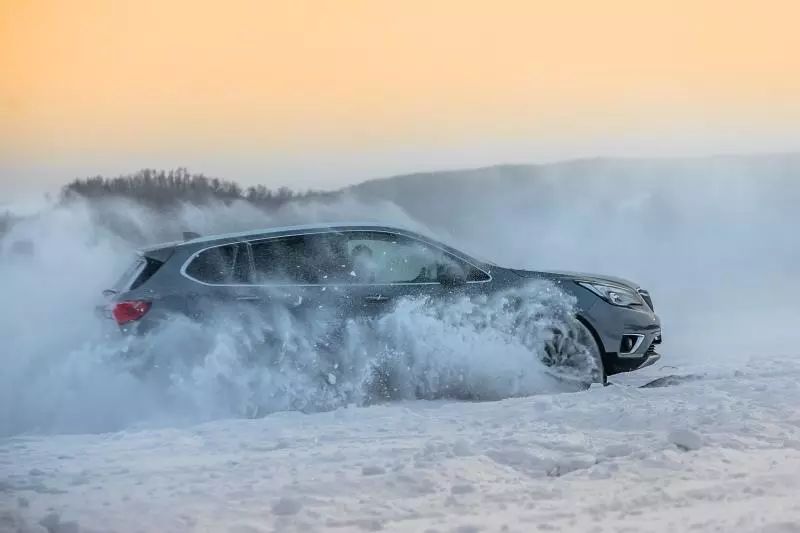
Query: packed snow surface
[721,452]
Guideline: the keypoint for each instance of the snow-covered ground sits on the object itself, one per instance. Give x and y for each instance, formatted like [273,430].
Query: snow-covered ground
[719,453]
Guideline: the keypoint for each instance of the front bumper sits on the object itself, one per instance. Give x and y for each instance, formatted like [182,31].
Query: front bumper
[628,336]
[615,363]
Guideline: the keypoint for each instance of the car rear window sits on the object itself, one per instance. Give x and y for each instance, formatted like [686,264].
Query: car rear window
[150,268]
[137,274]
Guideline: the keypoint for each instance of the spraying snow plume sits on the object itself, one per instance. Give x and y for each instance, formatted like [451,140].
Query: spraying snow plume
[67,369]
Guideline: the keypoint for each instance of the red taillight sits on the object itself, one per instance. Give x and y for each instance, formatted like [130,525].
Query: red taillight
[130,310]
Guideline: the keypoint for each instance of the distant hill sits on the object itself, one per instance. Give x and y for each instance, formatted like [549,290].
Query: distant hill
[583,180]
[598,183]
[506,208]
[641,193]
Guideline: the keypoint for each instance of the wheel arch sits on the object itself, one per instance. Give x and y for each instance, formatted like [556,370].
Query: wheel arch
[603,354]
[594,333]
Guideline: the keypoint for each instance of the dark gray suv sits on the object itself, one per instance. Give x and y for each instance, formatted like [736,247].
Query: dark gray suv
[361,270]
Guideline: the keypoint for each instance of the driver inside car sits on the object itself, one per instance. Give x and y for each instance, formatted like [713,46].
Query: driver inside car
[363,263]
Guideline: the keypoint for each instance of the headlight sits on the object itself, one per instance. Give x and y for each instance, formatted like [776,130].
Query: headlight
[614,294]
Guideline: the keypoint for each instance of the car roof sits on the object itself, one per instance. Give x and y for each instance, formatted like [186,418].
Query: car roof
[166,249]
[277,231]
[290,229]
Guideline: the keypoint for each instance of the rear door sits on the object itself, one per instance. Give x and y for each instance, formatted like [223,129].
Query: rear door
[291,274]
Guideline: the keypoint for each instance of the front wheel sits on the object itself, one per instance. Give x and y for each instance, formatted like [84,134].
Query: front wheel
[571,353]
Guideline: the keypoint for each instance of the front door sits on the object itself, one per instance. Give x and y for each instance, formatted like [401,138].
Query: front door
[383,267]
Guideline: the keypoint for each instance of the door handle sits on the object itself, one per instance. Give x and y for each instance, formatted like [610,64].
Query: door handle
[248,298]
[376,298]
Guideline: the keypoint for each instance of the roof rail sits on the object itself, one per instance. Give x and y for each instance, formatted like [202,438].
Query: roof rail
[189,235]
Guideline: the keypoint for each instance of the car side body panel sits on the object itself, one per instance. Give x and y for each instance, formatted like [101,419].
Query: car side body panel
[172,291]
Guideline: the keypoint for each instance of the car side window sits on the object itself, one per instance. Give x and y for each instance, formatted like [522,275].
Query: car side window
[221,265]
[380,258]
[335,258]
[299,260]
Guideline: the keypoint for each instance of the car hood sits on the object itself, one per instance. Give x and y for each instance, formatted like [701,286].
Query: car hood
[576,276]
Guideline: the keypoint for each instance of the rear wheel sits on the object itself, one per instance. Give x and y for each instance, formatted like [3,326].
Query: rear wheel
[572,354]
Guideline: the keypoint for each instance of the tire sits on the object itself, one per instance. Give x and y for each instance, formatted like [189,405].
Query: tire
[572,354]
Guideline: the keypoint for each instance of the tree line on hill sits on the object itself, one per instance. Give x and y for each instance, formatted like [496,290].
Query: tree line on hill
[162,189]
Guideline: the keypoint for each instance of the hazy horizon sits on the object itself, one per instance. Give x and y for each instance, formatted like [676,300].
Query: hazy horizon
[33,198]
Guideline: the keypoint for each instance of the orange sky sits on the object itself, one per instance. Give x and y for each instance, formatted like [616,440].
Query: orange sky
[324,92]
